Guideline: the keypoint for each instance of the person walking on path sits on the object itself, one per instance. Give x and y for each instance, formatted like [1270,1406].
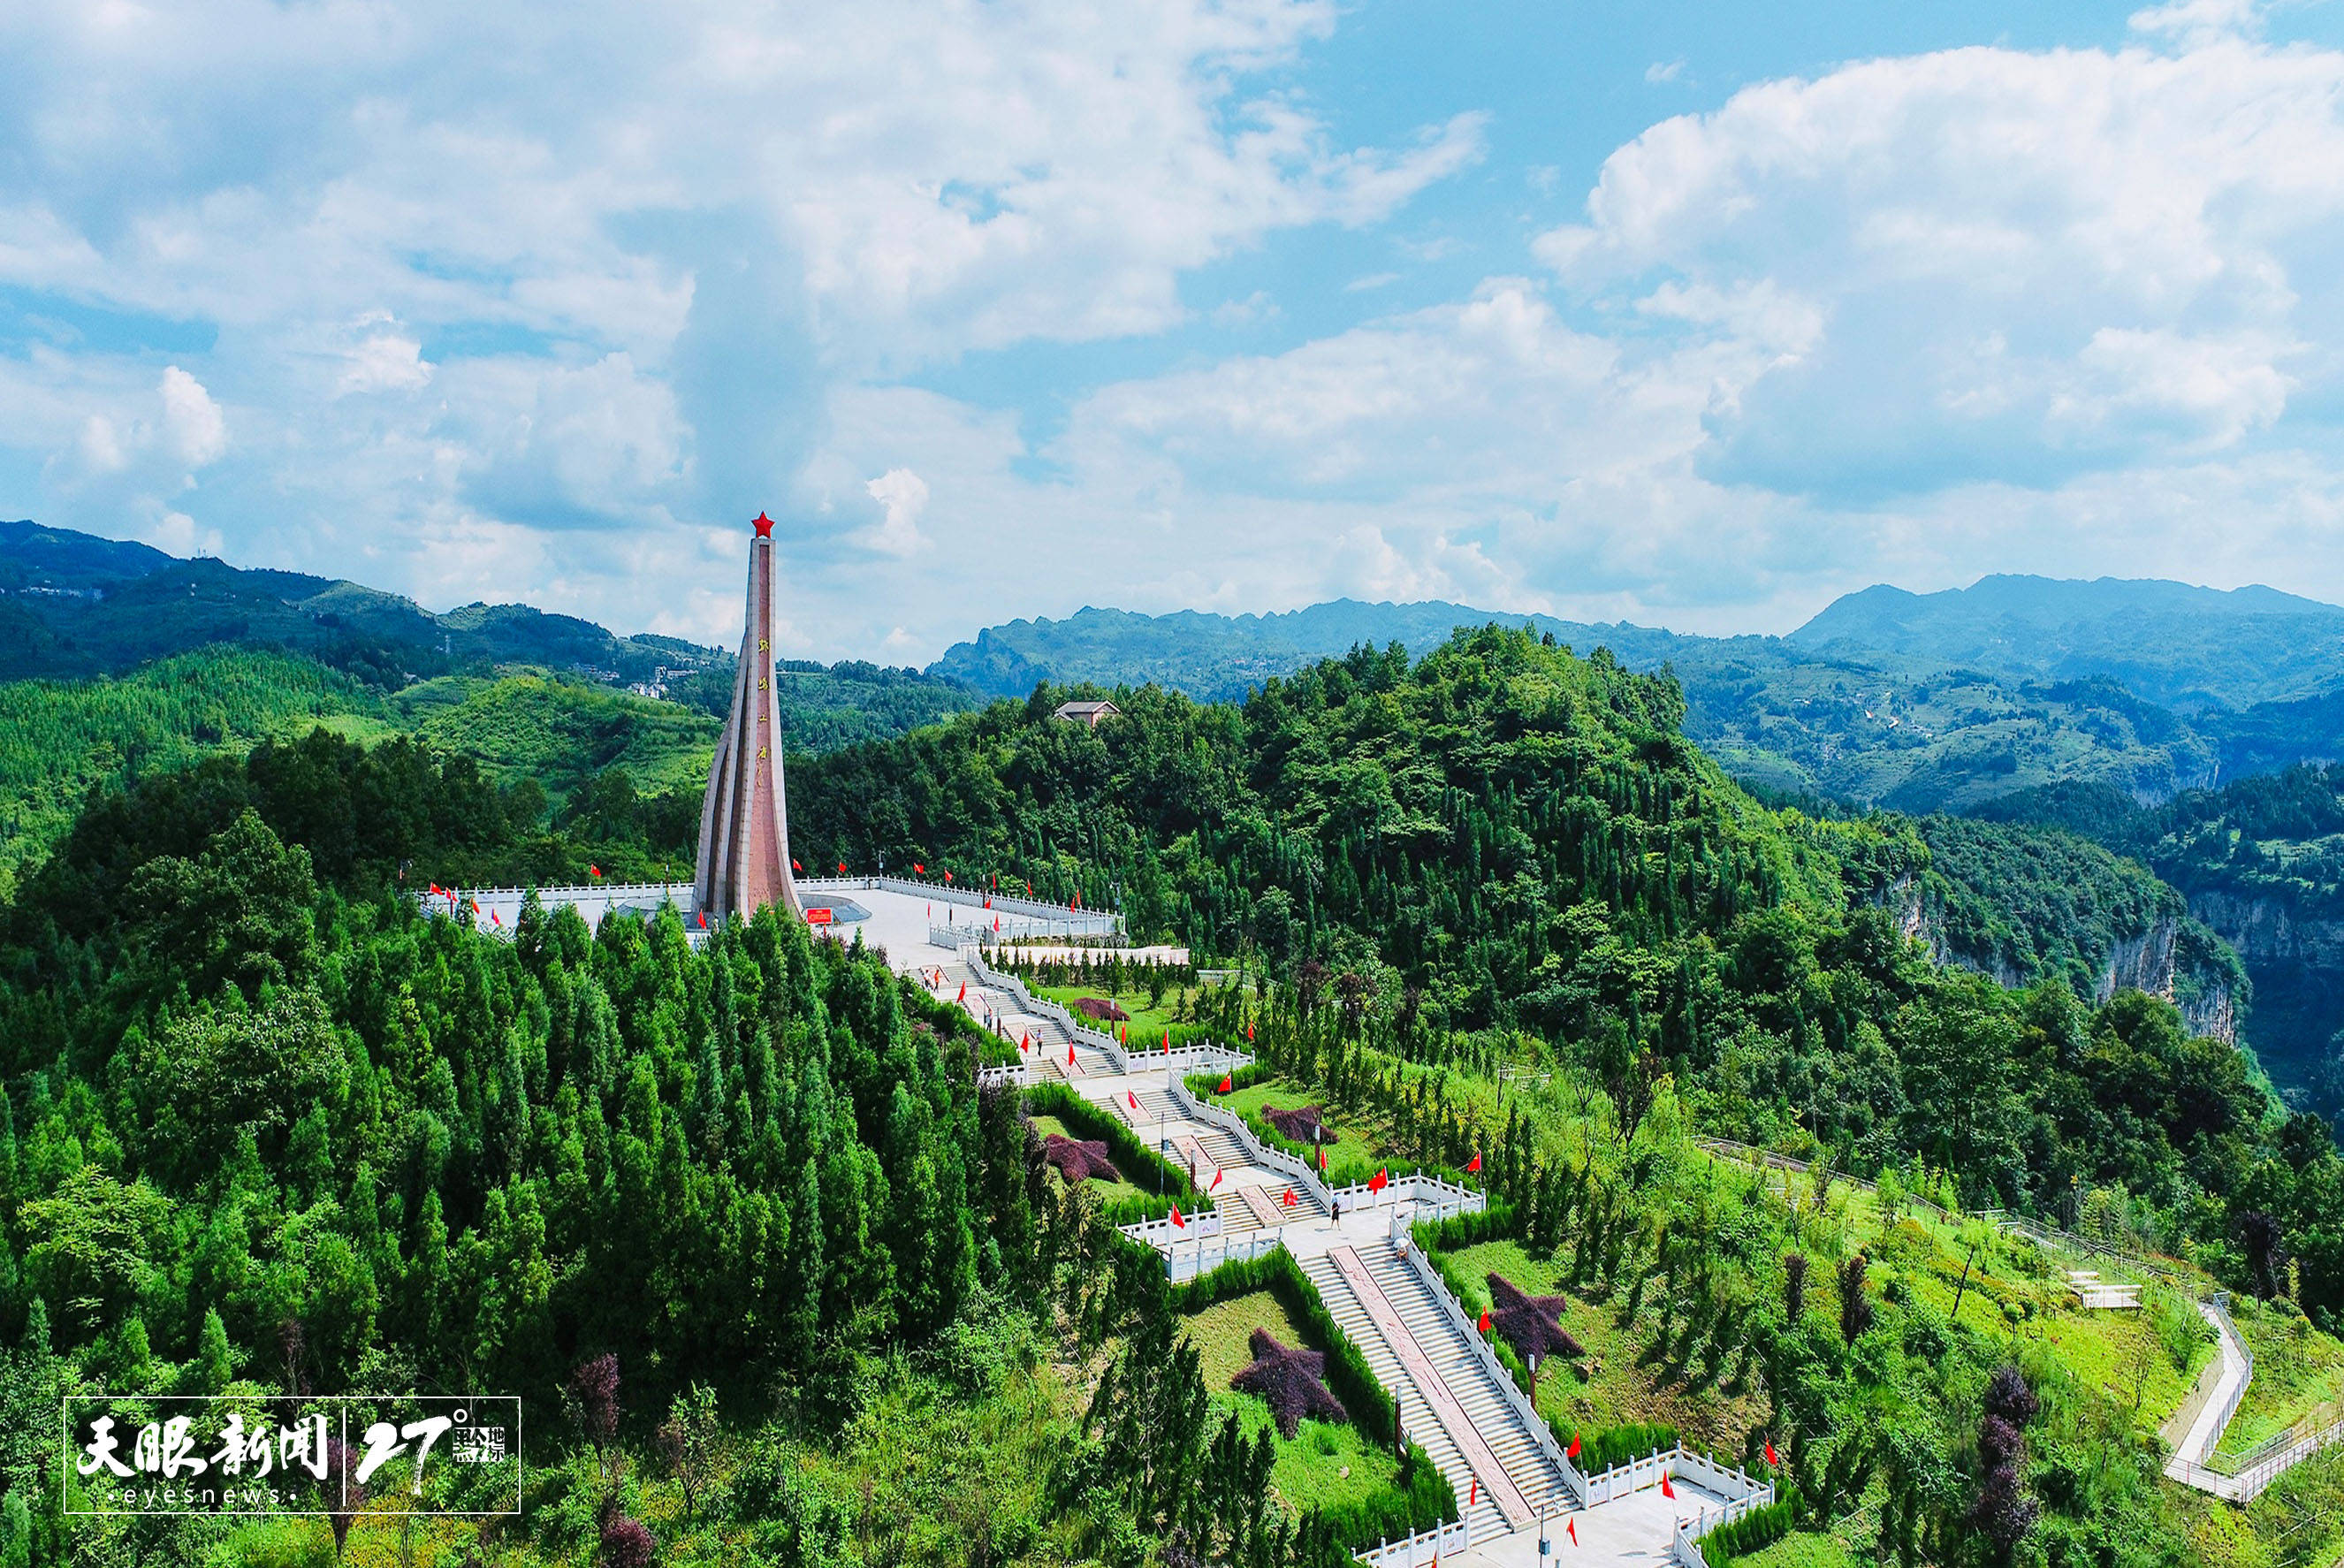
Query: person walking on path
[1338,1221]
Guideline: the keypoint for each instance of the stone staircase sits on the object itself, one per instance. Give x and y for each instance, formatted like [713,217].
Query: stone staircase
[2121,1296]
[1431,1415]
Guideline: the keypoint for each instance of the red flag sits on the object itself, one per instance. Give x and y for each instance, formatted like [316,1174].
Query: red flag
[1289,1199]
[495,919]
[1571,1528]
[435,890]
[1573,1451]
[1485,1323]
[703,920]
[1184,1225]
[841,868]
[918,869]
[1377,1183]
[947,877]
[1666,1489]
[1132,1098]
[1168,1039]
[963,992]
[794,866]
[1322,1158]
[996,925]
[1024,1042]
[593,871]
[988,901]
[1248,1033]
[1771,1460]
[1070,1053]
[1473,1495]
[1218,1174]
[1228,1083]
[1475,1163]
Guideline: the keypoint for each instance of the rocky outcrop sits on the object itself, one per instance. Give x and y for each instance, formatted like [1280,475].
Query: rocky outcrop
[2264,929]
[2151,960]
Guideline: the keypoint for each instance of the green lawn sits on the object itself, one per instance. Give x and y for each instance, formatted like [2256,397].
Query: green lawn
[1614,1388]
[1147,1024]
[1325,1463]
[1800,1549]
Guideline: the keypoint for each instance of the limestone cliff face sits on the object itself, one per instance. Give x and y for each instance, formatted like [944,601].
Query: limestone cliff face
[2146,961]
[2265,929]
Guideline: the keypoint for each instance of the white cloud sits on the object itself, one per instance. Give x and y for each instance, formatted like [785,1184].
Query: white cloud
[385,362]
[1659,71]
[193,423]
[902,496]
[180,534]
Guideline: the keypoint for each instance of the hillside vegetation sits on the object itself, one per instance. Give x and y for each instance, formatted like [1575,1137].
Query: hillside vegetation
[1506,837]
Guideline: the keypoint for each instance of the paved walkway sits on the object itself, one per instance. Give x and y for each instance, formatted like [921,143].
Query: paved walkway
[1520,1494]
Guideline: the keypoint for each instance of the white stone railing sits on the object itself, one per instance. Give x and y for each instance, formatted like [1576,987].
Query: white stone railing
[1006,1073]
[1080,1033]
[1162,1233]
[1234,1124]
[1736,1486]
[1541,1435]
[1685,1547]
[1095,921]
[1186,1260]
[1424,1548]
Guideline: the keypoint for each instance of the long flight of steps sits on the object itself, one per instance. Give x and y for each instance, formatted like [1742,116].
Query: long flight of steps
[1201,1147]
[1495,1431]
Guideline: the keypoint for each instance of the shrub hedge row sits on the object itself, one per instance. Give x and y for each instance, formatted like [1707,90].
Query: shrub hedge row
[1132,1156]
[1753,1531]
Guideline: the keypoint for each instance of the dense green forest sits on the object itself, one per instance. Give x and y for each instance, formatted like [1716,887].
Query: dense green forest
[1506,836]
[268,1128]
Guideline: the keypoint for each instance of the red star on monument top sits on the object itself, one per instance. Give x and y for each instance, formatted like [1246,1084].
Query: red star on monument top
[763,525]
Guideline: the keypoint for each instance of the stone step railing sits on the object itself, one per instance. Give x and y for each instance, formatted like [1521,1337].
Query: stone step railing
[1423,1549]
[1534,1424]
[1005,1073]
[1286,1165]
[1162,1233]
[1739,1489]
[1684,1547]
[1093,922]
[1081,1033]
[1185,1260]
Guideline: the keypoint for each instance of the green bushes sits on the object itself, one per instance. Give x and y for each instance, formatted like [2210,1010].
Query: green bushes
[1616,1445]
[1204,1085]
[1499,1221]
[1133,1157]
[1753,1531]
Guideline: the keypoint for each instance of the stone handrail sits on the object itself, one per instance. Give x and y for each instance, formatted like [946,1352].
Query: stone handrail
[1425,1547]
[1736,1486]
[1540,1434]
[1234,1124]
[1005,1073]
[1162,1233]
[1081,1033]
[1686,1545]
[1100,922]
[1185,1260]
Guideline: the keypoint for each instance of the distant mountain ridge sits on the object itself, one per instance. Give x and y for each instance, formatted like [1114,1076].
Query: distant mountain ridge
[2170,643]
[1918,701]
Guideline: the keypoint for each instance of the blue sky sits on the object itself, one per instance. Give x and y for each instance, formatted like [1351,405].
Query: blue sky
[1696,315]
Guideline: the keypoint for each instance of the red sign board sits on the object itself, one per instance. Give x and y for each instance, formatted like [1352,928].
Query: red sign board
[817,916]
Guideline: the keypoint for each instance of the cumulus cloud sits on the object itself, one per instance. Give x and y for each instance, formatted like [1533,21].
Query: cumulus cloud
[517,302]
[192,422]
[902,496]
